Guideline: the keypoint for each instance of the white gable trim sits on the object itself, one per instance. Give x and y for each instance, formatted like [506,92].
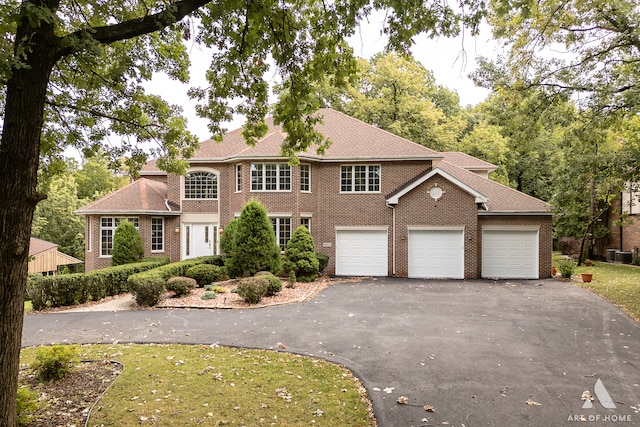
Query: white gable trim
[393,200]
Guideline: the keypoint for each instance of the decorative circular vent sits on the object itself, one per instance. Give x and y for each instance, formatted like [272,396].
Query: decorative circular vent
[436,192]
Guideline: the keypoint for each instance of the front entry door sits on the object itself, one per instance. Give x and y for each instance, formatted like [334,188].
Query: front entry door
[200,240]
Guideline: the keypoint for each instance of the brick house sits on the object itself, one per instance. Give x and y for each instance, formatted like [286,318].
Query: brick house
[623,237]
[375,203]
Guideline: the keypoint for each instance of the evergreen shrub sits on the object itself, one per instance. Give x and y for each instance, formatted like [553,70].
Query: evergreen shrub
[300,255]
[252,289]
[127,244]
[205,274]
[254,245]
[53,362]
[181,286]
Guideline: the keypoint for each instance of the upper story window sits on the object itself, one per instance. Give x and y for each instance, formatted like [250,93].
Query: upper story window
[201,185]
[270,177]
[359,178]
[305,177]
[108,227]
[238,178]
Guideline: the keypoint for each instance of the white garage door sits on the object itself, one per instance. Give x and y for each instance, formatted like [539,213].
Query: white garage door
[361,253]
[510,254]
[436,254]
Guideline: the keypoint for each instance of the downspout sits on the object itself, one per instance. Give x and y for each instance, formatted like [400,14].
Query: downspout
[393,238]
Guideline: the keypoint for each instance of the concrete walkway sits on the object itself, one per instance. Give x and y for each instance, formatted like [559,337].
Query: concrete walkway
[482,353]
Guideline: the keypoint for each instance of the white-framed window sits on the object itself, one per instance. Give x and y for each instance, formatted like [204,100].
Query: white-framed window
[282,228]
[270,177]
[89,234]
[238,178]
[306,221]
[157,234]
[201,185]
[108,225]
[360,178]
[305,177]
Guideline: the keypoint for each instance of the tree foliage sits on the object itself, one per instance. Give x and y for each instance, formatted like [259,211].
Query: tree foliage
[396,93]
[254,246]
[73,74]
[54,220]
[127,244]
[587,49]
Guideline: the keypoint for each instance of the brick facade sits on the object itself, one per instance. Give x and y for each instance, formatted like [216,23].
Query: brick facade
[401,203]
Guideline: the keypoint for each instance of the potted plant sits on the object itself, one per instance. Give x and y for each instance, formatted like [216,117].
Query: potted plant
[586,277]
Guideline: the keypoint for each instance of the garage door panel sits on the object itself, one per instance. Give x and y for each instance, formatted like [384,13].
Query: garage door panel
[361,253]
[510,254]
[436,254]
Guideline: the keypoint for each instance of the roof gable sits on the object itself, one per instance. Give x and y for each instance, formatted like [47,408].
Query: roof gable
[394,197]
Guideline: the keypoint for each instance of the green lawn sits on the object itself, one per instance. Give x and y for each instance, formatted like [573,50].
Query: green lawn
[193,385]
[28,306]
[618,283]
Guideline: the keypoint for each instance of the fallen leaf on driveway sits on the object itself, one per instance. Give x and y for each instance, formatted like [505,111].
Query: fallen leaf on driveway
[532,403]
[429,408]
[403,400]
[389,390]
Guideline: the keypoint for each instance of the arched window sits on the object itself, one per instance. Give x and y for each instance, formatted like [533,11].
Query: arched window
[201,185]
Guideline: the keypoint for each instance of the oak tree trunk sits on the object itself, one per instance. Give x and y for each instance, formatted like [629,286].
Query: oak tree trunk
[19,158]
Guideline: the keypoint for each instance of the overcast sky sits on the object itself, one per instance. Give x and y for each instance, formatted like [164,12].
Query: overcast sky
[450,60]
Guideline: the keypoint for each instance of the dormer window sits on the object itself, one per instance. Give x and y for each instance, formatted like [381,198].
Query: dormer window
[200,185]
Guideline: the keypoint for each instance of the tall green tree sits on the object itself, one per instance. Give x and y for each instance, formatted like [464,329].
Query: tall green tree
[54,220]
[73,73]
[588,179]
[95,178]
[396,93]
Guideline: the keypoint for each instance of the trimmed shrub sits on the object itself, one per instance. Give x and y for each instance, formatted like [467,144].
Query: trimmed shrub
[254,245]
[149,292]
[127,244]
[228,234]
[149,286]
[53,362]
[205,274]
[566,268]
[27,404]
[292,279]
[69,289]
[323,261]
[208,295]
[275,285]
[252,289]
[181,285]
[300,255]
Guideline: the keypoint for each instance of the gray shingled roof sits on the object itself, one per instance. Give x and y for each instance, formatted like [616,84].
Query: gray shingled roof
[352,139]
[141,196]
[466,161]
[501,198]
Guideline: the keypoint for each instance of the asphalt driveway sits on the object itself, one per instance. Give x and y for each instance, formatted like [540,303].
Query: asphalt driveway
[482,353]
